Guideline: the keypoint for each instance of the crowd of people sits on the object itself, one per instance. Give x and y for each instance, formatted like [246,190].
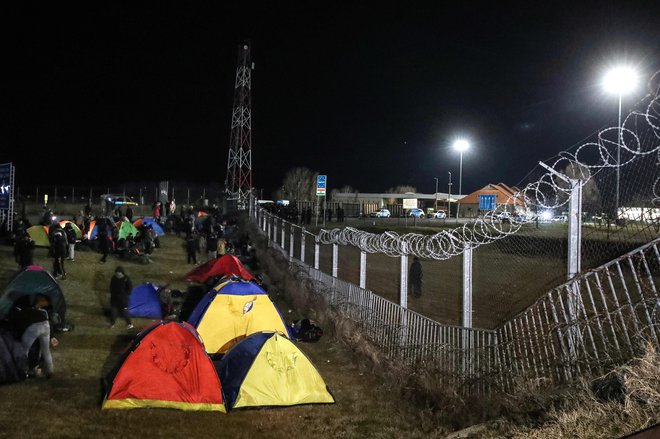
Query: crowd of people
[31,324]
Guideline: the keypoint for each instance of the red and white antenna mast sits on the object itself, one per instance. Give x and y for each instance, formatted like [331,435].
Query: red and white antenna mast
[238,182]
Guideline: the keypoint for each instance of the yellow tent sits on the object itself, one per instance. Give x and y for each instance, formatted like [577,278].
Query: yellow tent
[232,311]
[267,369]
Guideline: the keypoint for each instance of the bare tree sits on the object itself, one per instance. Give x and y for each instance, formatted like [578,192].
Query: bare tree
[299,184]
[343,190]
[399,190]
[590,191]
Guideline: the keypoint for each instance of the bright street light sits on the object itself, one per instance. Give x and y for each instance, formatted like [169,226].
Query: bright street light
[460,145]
[619,80]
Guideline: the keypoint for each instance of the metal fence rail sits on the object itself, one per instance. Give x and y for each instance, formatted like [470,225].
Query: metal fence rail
[456,355]
[601,318]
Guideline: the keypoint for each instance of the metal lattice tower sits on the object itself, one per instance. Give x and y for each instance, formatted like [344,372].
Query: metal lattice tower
[238,182]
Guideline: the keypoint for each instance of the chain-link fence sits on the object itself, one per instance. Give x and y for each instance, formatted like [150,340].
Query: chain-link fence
[587,206]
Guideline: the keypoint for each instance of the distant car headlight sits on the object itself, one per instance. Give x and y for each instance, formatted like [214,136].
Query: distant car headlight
[546,215]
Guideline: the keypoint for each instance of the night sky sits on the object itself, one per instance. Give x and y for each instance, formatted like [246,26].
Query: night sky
[370,96]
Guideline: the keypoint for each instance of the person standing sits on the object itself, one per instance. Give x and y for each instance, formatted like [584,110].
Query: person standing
[24,250]
[59,250]
[212,246]
[191,248]
[71,241]
[120,289]
[102,236]
[129,214]
[416,278]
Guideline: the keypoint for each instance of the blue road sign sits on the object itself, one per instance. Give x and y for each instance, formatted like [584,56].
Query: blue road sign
[321,185]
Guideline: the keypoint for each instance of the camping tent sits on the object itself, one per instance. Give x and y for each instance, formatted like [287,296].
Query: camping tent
[165,366]
[26,284]
[267,369]
[93,230]
[151,222]
[225,265]
[231,311]
[39,235]
[79,233]
[125,229]
[144,301]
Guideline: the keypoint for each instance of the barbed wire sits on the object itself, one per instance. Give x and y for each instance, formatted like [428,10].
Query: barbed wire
[613,147]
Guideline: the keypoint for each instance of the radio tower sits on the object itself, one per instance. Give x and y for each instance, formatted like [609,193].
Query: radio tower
[238,182]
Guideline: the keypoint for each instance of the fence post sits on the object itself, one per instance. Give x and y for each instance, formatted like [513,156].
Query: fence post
[274,229]
[363,269]
[283,234]
[302,245]
[403,322]
[317,250]
[404,276]
[467,286]
[335,259]
[467,310]
[270,227]
[291,240]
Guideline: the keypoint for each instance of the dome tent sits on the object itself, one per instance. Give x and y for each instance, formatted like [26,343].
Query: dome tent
[231,311]
[267,369]
[166,367]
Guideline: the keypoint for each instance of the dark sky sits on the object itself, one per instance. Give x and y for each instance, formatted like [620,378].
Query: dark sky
[370,96]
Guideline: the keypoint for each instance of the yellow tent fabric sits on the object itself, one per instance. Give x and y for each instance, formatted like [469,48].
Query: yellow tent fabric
[281,375]
[135,403]
[230,318]
[39,235]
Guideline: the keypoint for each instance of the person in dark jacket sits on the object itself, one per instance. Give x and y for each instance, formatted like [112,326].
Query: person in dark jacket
[120,289]
[129,213]
[192,248]
[59,248]
[416,278]
[24,250]
[102,236]
[71,241]
[211,246]
[32,323]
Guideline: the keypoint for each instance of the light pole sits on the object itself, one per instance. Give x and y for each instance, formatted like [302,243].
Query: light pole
[436,193]
[618,81]
[460,145]
[449,196]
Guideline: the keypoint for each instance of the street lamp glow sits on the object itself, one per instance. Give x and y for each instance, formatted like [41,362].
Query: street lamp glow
[620,80]
[461,145]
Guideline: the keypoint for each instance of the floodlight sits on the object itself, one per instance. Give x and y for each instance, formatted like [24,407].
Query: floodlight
[620,80]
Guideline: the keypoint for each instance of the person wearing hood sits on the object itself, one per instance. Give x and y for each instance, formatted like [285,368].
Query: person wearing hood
[120,289]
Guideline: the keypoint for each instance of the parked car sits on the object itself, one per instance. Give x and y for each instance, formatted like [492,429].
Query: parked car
[416,213]
[440,214]
[118,200]
[561,218]
[383,213]
[504,216]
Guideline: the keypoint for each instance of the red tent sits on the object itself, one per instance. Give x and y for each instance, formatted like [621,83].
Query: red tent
[166,366]
[225,265]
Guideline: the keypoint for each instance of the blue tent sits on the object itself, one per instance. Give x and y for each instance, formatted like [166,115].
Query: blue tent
[150,222]
[144,301]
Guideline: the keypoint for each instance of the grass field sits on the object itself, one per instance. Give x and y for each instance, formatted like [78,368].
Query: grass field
[68,405]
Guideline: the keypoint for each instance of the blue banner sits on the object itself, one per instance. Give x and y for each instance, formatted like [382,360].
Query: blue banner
[487,202]
[5,185]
